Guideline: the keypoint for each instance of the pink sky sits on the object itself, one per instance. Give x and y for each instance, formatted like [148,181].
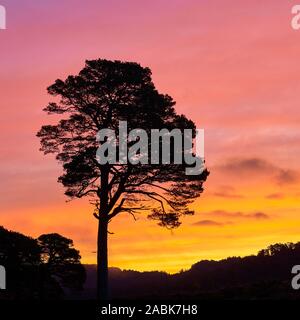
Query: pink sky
[232,66]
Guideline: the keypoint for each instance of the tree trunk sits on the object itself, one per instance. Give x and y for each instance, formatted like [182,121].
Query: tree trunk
[102,261]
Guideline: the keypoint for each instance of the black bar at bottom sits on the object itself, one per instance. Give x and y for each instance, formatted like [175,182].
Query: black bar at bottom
[93,310]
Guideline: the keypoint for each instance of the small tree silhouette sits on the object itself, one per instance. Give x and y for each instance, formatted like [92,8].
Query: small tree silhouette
[40,268]
[62,260]
[102,94]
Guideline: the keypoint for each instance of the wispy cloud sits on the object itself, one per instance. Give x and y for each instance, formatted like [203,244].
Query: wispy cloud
[239,214]
[226,191]
[210,223]
[257,167]
[275,196]
[247,165]
[287,177]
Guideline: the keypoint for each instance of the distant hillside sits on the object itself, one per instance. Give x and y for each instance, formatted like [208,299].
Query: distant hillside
[266,275]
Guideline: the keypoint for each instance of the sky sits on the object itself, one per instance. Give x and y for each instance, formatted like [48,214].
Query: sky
[231,66]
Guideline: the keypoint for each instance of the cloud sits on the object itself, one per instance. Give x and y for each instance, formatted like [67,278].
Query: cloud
[226,191]
[252,167]
[287,177]
[208,223]
[257,215]
[238,214]
[228,195]
[274,196]
[228,214]
[247,165]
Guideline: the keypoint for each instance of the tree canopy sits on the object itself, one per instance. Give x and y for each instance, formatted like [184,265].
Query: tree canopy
[39,268]
[102,94]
